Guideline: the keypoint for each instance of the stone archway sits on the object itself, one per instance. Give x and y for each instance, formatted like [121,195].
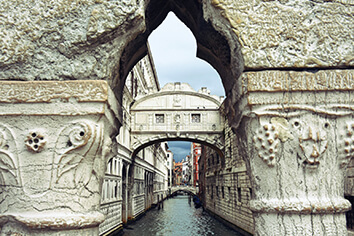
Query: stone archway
[276,42]
[216,46]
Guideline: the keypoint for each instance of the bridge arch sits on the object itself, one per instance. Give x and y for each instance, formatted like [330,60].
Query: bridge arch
[177,113]
[190,190]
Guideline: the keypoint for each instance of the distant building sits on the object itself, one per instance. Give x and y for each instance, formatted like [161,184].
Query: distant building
[177,172]
[186,170]
[195,152]
[170,166]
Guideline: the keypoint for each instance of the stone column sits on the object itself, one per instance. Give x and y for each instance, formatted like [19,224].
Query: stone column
[54,140]
[297,134]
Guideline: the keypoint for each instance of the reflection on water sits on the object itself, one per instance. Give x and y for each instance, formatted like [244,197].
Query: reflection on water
[178,217]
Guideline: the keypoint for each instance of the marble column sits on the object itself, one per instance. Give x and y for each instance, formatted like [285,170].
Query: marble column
[297,134]
[55,137]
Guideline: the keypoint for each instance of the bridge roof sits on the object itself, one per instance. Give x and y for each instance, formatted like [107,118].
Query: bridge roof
[179,96]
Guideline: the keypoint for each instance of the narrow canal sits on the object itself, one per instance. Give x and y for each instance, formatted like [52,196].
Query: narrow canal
[178,217]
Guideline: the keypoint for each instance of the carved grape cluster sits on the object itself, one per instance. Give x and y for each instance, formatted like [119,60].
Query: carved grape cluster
[348,140]
[35,142]
[266,143]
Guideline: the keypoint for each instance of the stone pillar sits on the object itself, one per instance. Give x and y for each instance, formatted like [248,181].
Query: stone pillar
[297,132]
[54,139]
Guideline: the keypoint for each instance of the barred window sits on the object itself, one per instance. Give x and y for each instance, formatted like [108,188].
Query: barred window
[195,118]
[160,118]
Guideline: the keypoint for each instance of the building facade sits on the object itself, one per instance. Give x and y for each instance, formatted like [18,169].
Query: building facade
[195,153]
[132,184]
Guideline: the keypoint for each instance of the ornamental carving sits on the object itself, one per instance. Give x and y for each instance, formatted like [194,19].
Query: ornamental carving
[76,149]
[177,100]
[35,142]
[46,91]
[347,144]
[9,173]
[313,143]
[266,143]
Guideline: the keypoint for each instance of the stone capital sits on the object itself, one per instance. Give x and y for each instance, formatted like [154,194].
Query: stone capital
[54,139]
[297,129]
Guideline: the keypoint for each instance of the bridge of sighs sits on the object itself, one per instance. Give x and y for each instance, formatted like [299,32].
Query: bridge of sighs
[177,112]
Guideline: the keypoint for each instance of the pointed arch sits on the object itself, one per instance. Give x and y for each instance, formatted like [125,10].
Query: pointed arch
[220,49]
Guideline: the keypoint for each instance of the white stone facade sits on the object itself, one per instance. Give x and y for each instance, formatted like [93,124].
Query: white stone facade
[126,197]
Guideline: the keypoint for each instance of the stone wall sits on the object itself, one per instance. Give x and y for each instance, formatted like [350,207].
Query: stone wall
[226,188]
[113,214]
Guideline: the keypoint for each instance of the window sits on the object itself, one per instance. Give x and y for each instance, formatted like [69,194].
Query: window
[195,118]
[239,194]
[160,118]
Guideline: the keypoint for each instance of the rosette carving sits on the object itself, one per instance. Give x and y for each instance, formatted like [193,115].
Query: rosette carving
[9,173]
[35,142]
[75,153]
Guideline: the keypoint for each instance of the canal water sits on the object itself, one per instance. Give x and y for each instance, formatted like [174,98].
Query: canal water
[178,217]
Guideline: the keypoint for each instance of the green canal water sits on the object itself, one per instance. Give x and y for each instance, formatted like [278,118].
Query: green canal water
[178,217]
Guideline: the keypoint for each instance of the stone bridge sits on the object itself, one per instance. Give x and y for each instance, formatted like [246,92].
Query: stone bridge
[177,112]
[186,189]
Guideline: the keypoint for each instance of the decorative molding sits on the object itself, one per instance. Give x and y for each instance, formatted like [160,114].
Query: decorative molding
[301,206]
[55,220]
[47,91]
[288,111]
[290,81]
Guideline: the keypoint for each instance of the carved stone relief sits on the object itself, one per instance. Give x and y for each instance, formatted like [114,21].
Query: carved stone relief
[346,149]
[177,101]
[75,152]
[266,143]
[310,141]
[35,141]
[313,144]
[9,173]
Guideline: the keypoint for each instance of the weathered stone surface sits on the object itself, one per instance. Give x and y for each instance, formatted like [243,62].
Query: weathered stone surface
[56,40]
[275,34]
[60,40]
[314,147]
[53,154]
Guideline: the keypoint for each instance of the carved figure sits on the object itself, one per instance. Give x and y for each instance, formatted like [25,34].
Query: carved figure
[312,146]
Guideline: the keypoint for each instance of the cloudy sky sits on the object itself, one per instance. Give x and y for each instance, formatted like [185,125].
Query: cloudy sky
[173,48]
